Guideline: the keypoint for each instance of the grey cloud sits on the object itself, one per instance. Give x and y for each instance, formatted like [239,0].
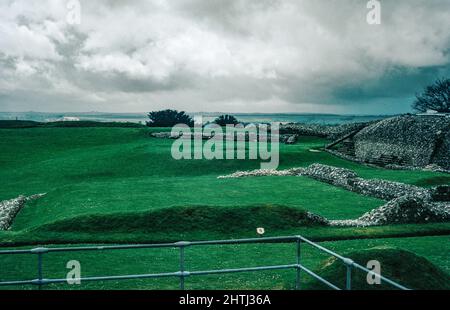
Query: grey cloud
[215,54]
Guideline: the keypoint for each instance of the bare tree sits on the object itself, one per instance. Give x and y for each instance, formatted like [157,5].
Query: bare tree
[436,97]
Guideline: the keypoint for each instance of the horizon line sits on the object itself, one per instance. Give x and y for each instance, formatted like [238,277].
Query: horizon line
[215,112]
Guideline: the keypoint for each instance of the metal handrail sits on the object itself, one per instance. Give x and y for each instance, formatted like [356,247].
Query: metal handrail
[182,273]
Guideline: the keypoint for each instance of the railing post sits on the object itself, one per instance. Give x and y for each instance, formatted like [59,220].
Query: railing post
[182,267]
[39,252]
[297,278]
[348,278]
[182,245]
[348,282]
[40,270]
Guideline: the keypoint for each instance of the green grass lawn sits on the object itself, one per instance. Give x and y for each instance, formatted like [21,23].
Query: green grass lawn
[111,176]
[106,170]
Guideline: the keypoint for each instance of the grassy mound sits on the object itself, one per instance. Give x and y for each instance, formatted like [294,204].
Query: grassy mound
[404,267]
[182,219]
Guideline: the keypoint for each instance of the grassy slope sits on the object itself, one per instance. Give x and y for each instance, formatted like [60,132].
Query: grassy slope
[107,170]
[212,257]
[412,270]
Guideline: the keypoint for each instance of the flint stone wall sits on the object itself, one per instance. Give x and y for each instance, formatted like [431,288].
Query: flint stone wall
[331,132]
[387,190]
[410,140]
[332,175]
[441,193]
[401,210]
[442,154]
[406,203]
[349,180]
[263,173]
[10,208]
[283,138]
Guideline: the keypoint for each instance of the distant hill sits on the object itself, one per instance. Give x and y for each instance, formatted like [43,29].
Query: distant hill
[305,118]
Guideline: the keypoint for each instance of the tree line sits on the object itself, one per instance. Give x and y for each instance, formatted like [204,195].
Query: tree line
[170,118]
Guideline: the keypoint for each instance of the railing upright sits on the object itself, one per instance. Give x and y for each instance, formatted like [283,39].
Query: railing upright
[39,252]
[297,278]
[348,277]
[39,255]
[182,245]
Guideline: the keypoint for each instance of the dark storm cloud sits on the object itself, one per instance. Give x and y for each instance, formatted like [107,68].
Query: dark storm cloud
[236,55]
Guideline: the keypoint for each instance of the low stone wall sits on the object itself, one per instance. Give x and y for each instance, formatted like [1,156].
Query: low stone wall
[402,210]
[263,173]
[387,190]
[283,138]
[164,135]
[328,174]
[288,139]
[406,203]
[441,157]
[10,208]
[331,132]
[441,193]
[349,180]
[345,178]
[317,219]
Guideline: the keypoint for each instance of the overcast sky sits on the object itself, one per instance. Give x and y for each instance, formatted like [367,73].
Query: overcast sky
[227,55]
